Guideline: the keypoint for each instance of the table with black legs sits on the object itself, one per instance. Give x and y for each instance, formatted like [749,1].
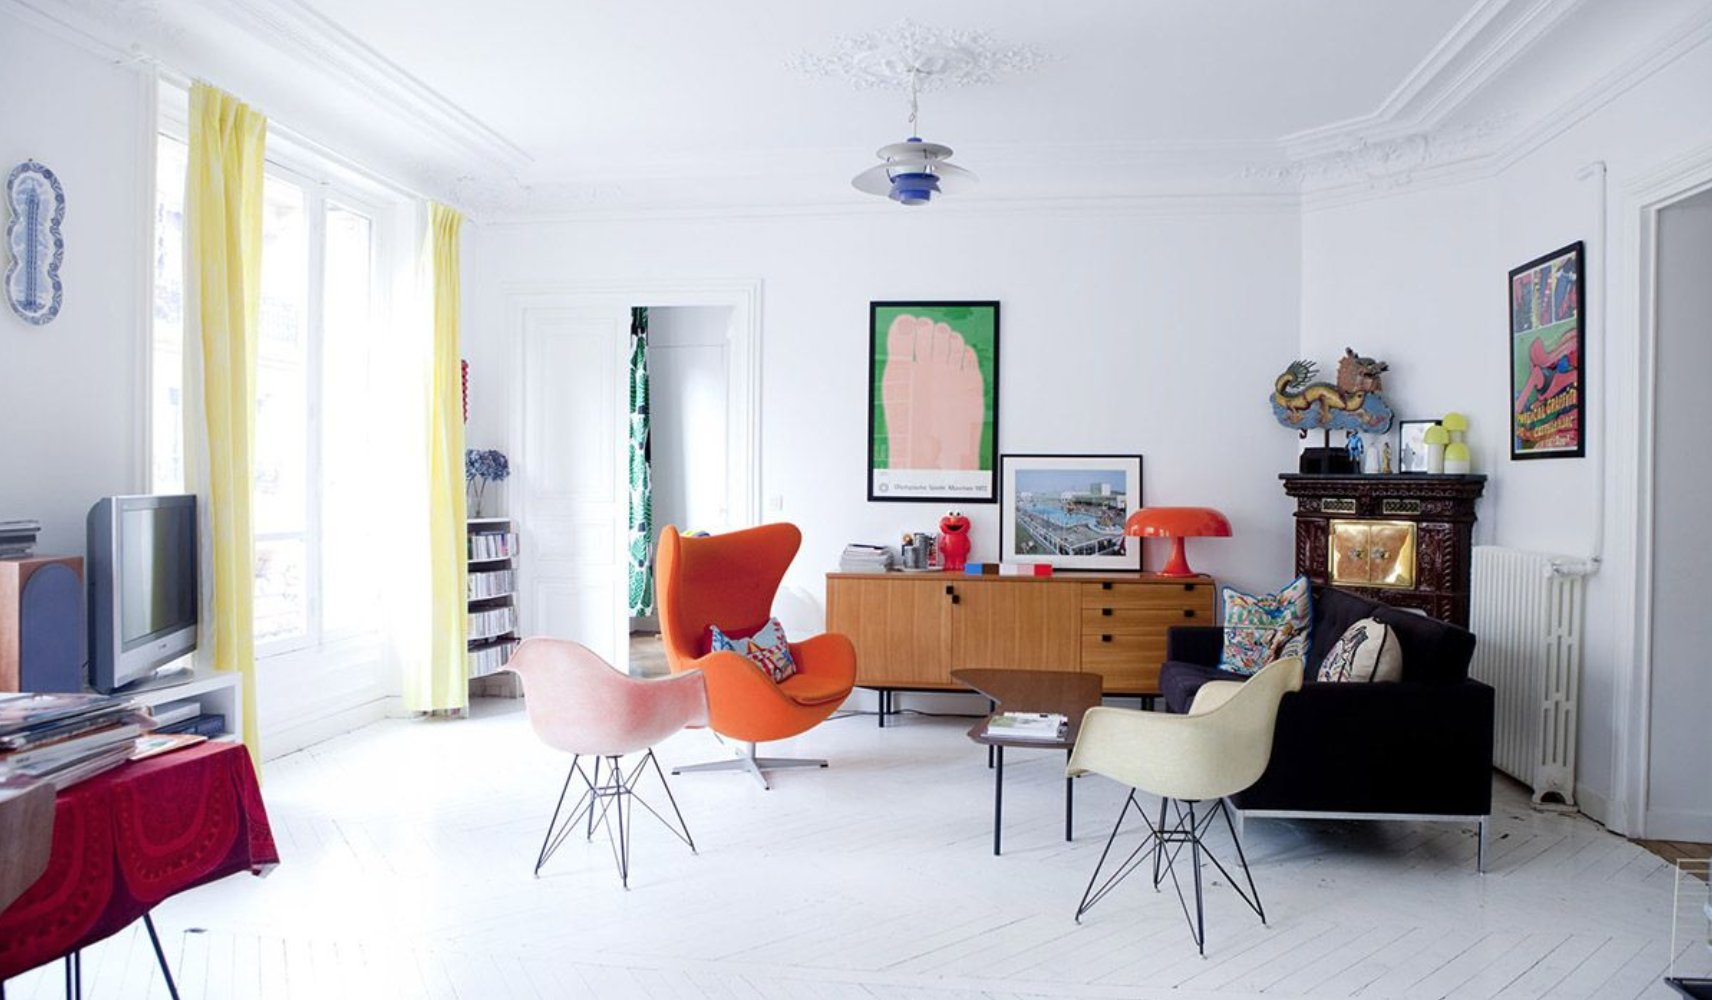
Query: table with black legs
[1067,693]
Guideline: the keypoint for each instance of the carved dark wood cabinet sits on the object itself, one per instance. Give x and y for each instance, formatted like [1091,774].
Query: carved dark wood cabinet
[1403,539]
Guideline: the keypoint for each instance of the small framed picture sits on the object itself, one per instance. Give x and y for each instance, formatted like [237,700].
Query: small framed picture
[1069,510]
[1412,445]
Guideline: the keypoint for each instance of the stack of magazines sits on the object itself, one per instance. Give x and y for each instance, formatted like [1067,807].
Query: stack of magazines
[65,738]
[1043,726]
[865,559]
[18,538]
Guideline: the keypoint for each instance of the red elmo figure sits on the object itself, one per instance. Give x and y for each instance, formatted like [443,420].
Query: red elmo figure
[954,541]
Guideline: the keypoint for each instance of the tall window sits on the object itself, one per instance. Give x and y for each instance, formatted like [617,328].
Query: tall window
[310,499]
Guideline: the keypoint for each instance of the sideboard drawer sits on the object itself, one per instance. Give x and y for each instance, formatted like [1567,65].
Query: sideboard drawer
[1107,618]
[1128,662]
[1143,595]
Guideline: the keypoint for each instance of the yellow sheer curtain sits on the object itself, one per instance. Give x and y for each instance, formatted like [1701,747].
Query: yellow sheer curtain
[441,684]
[223,227]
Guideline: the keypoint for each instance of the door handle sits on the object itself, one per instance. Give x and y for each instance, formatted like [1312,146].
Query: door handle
[1107,585]
[956,599]
[949,590]
[1105,612]
[1188,612]
[1105,638]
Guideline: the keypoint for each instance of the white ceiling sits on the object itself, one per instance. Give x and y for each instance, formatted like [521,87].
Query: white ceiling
[574,83]
[526,107]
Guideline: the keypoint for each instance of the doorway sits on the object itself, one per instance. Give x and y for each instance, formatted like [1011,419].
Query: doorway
[1679,799]
[686,355]
[571,358]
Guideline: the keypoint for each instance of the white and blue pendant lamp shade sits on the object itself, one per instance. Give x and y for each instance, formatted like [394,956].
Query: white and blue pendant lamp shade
[913,173]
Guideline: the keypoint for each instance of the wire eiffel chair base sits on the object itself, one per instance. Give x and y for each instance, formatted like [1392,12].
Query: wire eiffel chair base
[1162,846]
[605,800]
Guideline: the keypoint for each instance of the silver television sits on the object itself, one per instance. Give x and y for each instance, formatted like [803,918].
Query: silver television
[141,566]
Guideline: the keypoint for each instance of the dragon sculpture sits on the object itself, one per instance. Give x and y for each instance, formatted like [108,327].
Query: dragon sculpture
[1353,404]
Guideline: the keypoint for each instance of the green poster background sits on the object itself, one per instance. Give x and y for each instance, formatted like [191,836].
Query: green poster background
[978,325]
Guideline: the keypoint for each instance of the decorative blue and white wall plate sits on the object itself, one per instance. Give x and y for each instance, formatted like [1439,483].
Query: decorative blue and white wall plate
[37,204]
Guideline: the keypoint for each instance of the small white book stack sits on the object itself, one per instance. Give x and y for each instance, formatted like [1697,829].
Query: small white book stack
[1043,726]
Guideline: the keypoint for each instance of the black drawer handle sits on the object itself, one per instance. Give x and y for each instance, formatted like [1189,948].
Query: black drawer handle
[1188,588]
[1106,585]
[1105,612]
[1188,612]
[950,589]
[956,599]
[1105,638]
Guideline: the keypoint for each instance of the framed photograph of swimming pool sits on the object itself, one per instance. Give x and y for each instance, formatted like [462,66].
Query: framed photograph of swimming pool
[1069,511]
[933,401]
[1548,370]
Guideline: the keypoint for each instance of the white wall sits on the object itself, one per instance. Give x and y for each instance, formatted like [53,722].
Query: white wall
[69,391]
[1679,800]
[1152,332]
[1417,276]
[687,348]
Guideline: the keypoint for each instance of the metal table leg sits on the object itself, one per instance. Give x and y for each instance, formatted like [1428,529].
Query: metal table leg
[1069,803]
[998,795]
[160,956]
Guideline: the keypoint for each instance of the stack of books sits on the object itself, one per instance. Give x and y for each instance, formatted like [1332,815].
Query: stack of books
[18,538]
[1043,726]
[865,559]
[65,738]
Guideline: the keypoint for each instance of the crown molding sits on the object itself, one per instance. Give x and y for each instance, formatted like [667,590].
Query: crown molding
[1487,41]
[297,29]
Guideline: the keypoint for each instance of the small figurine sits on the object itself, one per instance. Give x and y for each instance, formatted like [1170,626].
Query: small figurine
[1385,460]
[954,542]
[1357,450]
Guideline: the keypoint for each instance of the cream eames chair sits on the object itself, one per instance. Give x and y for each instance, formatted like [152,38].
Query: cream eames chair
[1220,748]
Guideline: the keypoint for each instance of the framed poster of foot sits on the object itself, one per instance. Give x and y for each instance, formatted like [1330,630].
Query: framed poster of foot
[933,401]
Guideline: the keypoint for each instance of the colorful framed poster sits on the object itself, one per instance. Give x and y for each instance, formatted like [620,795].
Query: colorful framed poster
[933,401]
[1069,510]
[1548,373]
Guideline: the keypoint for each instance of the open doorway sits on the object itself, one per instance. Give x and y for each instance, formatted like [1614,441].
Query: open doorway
[680,446]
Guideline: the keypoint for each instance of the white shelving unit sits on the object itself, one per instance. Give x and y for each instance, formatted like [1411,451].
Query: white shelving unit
[492,595]
[216,691]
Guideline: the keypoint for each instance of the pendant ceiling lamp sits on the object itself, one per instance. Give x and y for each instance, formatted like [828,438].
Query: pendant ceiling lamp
[914,171]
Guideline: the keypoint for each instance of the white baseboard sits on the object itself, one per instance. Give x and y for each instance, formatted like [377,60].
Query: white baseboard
[1679,824]
[1594,804]
[308,731]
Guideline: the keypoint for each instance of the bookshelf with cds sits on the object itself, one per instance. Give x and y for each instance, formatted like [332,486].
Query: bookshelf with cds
[491,594]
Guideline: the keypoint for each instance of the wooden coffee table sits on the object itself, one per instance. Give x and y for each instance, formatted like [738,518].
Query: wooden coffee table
[1064,692]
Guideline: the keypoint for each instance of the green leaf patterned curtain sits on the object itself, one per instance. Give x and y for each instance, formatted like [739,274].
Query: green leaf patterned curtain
[641,479]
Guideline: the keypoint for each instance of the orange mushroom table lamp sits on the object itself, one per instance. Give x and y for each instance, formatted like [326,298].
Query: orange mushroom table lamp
[1177,523]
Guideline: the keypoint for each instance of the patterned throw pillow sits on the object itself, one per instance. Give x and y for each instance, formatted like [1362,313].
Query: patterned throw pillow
[1368,651]
[1261,628]
[767,649]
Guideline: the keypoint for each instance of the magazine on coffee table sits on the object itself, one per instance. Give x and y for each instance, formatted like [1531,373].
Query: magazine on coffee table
[1043,726]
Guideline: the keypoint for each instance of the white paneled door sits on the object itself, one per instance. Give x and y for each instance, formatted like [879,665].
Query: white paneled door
[574,473]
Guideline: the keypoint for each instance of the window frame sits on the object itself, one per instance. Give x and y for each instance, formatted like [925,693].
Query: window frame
[324,185]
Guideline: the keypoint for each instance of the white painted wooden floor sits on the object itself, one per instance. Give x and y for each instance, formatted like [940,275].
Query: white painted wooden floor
[408,846]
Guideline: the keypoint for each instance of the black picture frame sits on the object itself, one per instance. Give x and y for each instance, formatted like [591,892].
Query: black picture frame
[1524,319]
[986,491]
[1128,561]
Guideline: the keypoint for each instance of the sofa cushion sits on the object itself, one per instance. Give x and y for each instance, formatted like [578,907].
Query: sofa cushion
[1179,682]
[814,689]
[1367,652]
[1261,628]
[1434,652]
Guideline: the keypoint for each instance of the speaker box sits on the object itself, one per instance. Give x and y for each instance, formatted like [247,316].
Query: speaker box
[41,624]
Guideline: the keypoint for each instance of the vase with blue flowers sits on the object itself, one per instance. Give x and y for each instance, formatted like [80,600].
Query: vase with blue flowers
[483,466]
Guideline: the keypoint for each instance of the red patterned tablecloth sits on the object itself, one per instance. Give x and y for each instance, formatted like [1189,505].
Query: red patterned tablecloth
[125,840]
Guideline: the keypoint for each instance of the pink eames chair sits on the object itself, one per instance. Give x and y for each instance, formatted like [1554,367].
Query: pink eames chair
[579,704]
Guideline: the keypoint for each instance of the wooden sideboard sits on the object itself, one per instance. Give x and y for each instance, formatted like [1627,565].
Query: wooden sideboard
[912,629]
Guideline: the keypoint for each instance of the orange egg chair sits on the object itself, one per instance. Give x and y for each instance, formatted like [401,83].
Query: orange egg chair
[730,580]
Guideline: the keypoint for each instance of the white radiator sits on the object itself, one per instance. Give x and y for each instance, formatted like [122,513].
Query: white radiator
[1526,613]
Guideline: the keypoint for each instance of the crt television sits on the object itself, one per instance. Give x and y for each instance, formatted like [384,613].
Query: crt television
[143,598]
